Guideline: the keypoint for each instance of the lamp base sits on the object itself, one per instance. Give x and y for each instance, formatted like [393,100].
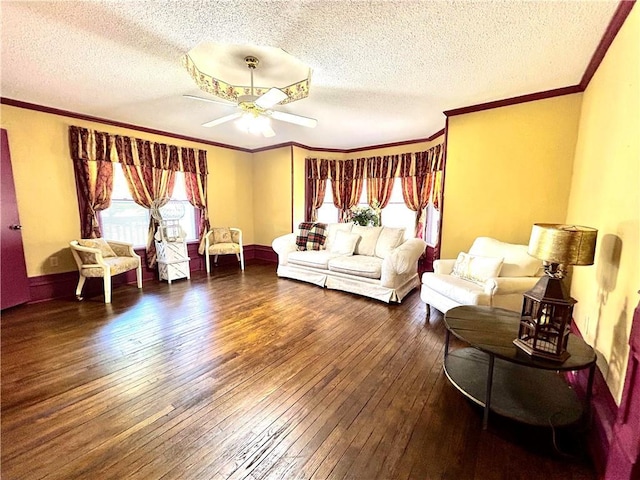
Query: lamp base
[525,347]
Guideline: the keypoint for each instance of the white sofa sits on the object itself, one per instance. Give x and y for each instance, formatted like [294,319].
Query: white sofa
[504,272]
[372,261]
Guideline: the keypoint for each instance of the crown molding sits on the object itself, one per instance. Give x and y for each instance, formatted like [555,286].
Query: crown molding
[618,19]
[89,118]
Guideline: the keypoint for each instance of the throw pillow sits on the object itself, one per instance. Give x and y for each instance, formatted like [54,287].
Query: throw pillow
[332,229]
[317,236]
[476,269]
[99,243]
[369,238]
[311,236]
[345,243]
[221,235]
[389,239]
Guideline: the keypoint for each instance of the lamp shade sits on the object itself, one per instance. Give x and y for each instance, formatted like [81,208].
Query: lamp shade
[563,244]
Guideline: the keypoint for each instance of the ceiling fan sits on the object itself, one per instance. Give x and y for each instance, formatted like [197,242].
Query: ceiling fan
[255,111]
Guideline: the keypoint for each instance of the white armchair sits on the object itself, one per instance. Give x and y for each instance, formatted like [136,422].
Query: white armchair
[97,257]
[223,241]
[493,273]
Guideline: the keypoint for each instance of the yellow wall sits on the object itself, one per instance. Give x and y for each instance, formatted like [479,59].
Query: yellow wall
[272,195]
[508,168]
[46,192]
[605,195]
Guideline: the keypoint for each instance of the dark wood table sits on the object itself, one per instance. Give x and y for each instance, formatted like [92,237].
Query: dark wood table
[500,377]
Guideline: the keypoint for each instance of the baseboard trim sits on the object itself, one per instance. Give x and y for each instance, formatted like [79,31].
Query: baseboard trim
[265,253]
[604,412]
[63,285]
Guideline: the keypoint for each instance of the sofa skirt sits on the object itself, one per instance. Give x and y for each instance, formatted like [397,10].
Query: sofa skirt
[366,287]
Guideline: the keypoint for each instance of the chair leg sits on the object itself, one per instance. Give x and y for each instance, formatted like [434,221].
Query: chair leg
[215,259]
[81,281]
[207,262]
[107,289]
[241,258]
[139,276]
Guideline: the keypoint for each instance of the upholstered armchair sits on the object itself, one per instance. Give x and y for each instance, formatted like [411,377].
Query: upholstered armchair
[97,257]
[223,241]
[492,273]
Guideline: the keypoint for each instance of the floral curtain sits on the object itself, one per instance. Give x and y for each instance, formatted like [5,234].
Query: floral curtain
[437,167]
[149,168]
[416,187]
[416,172]
[421,174]
[146,167]
[380,175]
[195,177]
[317,174]
[346,184]
[91,155]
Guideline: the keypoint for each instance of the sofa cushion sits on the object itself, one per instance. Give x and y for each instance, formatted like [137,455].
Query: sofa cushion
[389,239]
[311,258]
[457,289]
[332,229]
[517,262]
[345,243]
[368,239]
[311,236]
[475,268]
[116,265]
[359,265]
[224,248]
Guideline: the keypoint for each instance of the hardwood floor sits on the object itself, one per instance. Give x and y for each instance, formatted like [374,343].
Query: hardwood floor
[244,375]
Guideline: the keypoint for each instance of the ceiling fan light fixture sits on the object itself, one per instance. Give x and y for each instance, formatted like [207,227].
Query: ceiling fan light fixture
[211,66]
[255,124]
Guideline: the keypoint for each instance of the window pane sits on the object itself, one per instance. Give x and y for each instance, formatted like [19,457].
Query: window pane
[328,213]
[396,214]
[179,188]
[125,221]
[188,222]
[433,222]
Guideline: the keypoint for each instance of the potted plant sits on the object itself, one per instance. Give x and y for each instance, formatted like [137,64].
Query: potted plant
[368,216]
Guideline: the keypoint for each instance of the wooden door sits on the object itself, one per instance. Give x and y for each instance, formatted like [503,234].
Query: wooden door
[14,284]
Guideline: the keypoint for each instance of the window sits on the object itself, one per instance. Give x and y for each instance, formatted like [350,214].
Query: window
[328,213]
[395,214]
[433,226]
[127,221]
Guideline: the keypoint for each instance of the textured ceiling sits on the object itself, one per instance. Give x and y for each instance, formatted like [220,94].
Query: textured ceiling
[382,71]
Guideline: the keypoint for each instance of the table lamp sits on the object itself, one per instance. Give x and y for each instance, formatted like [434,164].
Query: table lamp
[547,308]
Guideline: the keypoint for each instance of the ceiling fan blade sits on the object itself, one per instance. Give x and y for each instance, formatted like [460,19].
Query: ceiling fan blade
[297,119]
[268,132]
[202,99]
[226,118]
[271,98]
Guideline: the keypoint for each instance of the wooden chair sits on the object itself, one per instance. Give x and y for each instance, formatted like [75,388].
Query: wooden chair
[223,241]
[97,257]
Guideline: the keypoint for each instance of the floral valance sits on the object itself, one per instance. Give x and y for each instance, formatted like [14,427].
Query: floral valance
[416,164]
[92,145]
